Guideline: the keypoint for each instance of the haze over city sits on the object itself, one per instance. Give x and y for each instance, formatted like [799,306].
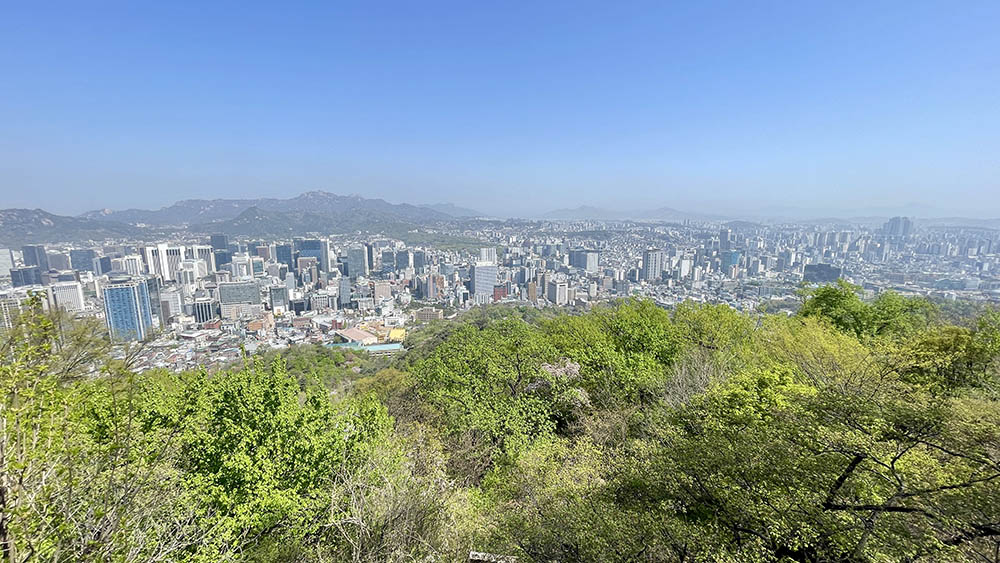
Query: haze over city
[773,109]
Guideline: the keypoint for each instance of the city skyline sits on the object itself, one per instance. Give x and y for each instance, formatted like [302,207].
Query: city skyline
[511,282]
[511,111]
[274,290]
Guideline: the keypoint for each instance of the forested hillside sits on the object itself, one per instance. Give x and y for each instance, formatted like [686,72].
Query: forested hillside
[853,431]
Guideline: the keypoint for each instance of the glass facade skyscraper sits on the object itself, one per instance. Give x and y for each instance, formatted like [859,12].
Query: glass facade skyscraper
[283,255]
[127,309]
[82,259]
[219,242]
[34,255]
[316,248]
[357,261]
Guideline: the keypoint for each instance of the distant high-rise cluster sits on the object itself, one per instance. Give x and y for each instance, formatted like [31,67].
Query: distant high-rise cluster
[898,227]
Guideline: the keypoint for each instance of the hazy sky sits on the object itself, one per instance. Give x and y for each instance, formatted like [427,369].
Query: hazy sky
[513,107]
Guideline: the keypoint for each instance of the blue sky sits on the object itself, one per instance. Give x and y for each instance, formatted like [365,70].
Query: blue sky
[504,106]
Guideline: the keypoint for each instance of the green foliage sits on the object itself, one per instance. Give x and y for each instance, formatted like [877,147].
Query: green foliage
[493,389]
[557,506]
[81,478]
[949,359]
[624,351]
[177,466]
[890,314]
[263,451]
[853,431]
[317,365]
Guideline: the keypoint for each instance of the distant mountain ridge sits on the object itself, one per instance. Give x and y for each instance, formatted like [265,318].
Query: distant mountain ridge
[25,226]
[325,212]
[203,211]
[454,211]
[314,211]
[256,222]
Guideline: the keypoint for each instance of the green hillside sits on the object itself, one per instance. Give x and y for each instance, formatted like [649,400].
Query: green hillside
[853,431]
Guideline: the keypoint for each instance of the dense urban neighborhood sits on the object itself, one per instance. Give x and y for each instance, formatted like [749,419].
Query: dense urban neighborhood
[205,300]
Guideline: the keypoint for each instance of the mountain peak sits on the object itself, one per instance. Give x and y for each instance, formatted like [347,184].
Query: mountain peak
[317,194]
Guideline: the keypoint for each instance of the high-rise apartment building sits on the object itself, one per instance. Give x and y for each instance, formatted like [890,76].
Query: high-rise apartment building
[653,264]
[898,227]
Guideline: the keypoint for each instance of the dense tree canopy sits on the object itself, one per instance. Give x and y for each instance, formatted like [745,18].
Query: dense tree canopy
[853,431]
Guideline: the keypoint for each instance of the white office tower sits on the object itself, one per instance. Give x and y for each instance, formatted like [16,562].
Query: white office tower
[6,262]
[484,278]
[131,264]
[488,255]
[67,296]
[189,273]
[163,260]
[241,266]
[203,252]
[197,268]
[558,292]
